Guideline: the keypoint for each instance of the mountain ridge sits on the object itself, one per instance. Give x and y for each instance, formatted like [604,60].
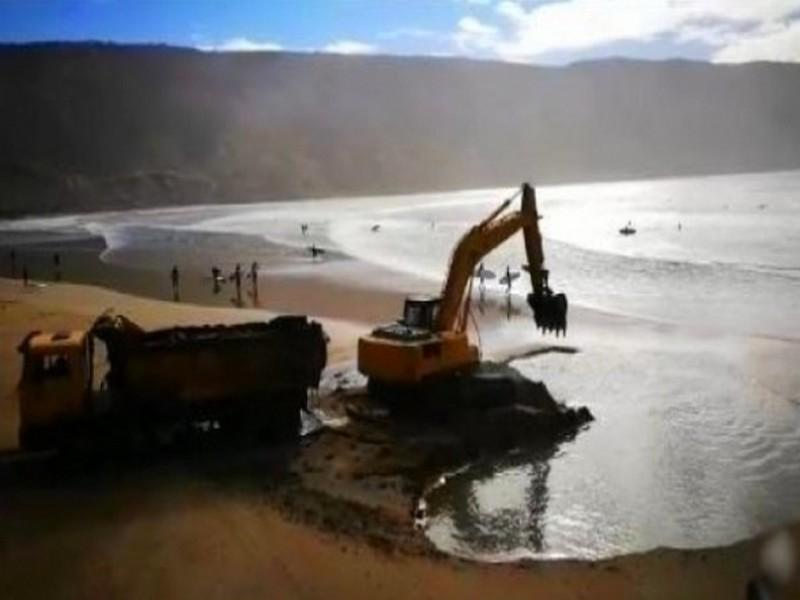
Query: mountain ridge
[96,126]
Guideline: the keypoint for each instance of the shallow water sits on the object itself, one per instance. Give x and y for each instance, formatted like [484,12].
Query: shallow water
[734,264]
[689,449]
[697,437]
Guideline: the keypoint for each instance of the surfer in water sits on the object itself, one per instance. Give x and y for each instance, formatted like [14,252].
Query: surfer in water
[508,278]
[629,229]
[481,275]
[315,252]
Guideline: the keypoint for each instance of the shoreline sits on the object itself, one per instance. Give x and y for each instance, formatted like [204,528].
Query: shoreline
[272,539]
[363,195]
[315,289]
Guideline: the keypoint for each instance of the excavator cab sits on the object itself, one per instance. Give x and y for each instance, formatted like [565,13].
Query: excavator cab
[421,312]
[412,349]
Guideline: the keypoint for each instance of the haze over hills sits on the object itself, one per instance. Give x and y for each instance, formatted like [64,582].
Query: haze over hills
[94,126]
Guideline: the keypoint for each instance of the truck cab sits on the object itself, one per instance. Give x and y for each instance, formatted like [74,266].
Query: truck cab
[55,385]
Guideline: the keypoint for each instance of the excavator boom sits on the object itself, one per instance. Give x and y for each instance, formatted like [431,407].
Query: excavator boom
[479,241]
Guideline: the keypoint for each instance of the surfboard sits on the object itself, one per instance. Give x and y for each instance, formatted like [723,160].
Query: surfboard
[509,278]
[484,273]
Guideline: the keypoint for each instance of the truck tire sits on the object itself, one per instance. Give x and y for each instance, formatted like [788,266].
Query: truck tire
[281,418]
[34,439]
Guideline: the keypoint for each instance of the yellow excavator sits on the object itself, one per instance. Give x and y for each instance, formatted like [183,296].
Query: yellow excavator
[430,341]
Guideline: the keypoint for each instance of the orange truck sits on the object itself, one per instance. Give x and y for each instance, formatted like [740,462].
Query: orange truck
[162,384]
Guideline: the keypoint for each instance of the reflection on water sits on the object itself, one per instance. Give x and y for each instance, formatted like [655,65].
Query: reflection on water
[506,305]
[493,508]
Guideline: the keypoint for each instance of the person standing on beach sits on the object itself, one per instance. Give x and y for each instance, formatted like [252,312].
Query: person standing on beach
[175,276]
[13,256]
[215,277]
[237,279]
[57,266]
[254,277]
[25,275]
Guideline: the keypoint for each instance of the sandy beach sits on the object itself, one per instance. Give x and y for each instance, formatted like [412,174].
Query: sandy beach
[174,529]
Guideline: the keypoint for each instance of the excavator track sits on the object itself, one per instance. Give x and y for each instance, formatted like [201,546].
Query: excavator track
[491,401]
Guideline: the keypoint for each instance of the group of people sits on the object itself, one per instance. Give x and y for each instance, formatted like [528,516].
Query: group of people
[25,273]
[20,269]
[218,279]
[482,274]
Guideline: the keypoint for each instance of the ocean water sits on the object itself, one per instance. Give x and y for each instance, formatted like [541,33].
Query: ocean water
[697,437]
[734,263]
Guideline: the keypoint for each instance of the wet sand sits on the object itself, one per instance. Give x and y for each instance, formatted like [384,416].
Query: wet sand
[241,526]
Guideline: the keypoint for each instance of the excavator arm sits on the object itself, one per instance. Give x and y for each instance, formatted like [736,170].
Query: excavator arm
[549,309]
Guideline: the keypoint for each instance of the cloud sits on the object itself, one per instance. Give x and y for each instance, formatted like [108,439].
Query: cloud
[242,44]
[411,32]
[475,34]
[349,47]
[733,29]
[473,26]
[778,43]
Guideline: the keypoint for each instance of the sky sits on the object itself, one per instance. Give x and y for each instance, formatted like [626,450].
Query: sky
[527,31]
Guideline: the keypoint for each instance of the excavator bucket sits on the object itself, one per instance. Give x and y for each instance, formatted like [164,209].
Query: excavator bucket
[549,311]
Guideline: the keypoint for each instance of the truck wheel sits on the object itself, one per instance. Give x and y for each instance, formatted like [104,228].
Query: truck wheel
[33,439]
[291,422]
[282,421]
[233,426]
[78,446]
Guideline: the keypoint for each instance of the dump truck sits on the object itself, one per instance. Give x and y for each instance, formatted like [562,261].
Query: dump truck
[166,383]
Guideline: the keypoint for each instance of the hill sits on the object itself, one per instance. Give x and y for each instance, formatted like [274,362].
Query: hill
[96,126]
